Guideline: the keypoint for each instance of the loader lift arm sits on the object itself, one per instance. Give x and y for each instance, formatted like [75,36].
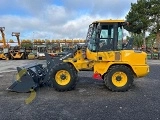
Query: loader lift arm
[17,34]
[3,37]
[5,53]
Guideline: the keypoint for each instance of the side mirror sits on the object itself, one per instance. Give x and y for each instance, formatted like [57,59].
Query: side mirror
[126,23]
[129,45]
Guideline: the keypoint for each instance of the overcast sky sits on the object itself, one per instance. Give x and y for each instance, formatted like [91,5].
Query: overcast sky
[57,19]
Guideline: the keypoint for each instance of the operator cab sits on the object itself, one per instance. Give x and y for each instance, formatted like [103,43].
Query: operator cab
[105,35]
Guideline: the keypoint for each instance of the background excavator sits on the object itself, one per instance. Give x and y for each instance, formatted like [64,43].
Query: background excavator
[117,65]
[17,52]
[4,50]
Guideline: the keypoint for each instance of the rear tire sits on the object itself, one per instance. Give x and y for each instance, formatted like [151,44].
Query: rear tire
[63,77]
[119,78]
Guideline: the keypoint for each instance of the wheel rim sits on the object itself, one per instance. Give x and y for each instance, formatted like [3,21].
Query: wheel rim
[119,79]
[62,77]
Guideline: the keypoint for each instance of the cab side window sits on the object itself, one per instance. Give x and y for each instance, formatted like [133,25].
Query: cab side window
[106,38]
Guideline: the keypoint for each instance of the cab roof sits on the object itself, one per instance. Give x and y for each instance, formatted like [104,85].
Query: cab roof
[109,21]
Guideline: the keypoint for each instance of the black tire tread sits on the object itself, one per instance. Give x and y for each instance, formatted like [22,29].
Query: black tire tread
[116,67]
[74,76]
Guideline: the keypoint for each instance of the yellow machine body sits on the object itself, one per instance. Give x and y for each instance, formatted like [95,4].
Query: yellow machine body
[136,60]
[116,64]
[101,61]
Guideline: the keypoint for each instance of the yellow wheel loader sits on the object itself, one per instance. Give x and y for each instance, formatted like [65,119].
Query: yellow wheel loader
[17,52]
[111,61]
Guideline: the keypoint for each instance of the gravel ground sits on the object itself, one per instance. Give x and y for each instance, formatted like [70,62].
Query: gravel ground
[91,100]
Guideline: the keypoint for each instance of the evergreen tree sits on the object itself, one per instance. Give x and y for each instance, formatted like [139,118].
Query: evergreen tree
[155,18]
[138,40]
[138,18]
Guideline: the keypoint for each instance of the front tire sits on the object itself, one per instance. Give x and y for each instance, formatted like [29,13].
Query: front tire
[63,77]
[119,78]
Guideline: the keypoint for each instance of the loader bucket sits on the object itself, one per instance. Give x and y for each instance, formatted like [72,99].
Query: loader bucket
[28,78]
[24,85]
[33,76]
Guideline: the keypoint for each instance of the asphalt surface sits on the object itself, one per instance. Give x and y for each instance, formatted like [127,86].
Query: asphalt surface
[91,100]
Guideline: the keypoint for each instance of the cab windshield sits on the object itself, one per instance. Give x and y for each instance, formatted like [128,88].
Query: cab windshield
[110,37]
[91,37]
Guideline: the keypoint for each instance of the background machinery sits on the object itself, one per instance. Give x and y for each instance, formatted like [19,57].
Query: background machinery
[4,50]
[41,50]
[17,52]
[117,66]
